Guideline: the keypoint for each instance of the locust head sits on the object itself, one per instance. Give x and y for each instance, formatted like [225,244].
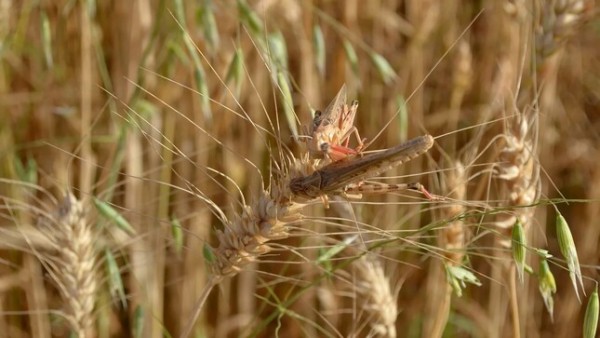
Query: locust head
[307,186]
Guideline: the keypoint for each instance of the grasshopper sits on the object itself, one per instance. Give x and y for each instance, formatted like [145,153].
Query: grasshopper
[344,176]
[331,129]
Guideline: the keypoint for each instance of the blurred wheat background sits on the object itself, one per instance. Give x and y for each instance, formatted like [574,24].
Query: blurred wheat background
[142,141]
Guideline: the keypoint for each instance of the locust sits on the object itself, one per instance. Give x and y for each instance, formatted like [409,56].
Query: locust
[347,176]
[331,129]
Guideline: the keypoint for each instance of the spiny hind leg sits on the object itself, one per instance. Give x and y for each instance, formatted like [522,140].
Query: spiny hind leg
[361,141]
[336,152]
[382,188]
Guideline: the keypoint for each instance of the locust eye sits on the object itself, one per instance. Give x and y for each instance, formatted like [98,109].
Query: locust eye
[317,119]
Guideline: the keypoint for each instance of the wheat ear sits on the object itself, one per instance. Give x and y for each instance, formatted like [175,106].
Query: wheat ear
[559,20]
[518,174]
[245,236]
[451,239]
[372,288]
[74,262]
[518,170]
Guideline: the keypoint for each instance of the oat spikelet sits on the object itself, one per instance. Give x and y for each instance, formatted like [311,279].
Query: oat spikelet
[74,263]
[374,294]
[559,20]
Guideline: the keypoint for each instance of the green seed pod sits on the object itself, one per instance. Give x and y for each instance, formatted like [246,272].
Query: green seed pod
[115,282]
[518,247]
[177,233]
[351,56]
[288,104]
[235,72]
[569,251]
[590,323]
[547,286]
[384,68]
[319,47]
[113,215]
[250,18]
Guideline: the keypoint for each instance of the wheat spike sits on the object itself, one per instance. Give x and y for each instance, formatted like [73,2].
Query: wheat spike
[452,236]
[518,170]
[379,303]
[245,237]
[559,20]
[74,262]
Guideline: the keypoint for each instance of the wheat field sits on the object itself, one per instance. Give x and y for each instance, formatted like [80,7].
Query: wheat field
[148,150]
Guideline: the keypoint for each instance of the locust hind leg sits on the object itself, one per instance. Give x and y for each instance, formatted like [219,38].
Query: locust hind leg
[383,188]
[361,141]
[336,152]
[419,187]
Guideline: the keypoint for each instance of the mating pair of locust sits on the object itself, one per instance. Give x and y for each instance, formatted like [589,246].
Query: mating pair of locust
[330,134]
